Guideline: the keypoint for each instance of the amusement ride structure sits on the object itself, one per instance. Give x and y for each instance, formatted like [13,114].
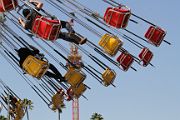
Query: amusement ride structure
[44,32]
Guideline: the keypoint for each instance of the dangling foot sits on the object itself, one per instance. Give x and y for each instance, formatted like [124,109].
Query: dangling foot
[83,41]
[71,22]
[63,79]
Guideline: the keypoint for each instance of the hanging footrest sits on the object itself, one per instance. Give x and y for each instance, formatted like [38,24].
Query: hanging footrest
[110,44]
[35,67]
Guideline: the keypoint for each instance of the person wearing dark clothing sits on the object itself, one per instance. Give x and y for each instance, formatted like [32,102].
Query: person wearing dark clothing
[23,53]
[30,15]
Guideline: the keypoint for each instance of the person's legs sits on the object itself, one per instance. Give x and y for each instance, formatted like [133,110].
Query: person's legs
[71,36]
[65,36]
[68,26]
[55,73]
[51,75]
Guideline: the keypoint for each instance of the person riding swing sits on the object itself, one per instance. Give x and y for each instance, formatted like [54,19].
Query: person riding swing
[32,16]
[31,60]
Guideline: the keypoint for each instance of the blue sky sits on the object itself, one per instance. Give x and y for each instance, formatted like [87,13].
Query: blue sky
[148,94]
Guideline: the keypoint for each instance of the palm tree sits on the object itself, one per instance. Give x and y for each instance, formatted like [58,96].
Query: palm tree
[2,118]
[96,116]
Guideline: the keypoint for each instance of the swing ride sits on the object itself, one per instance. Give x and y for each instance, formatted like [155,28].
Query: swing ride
[46,27]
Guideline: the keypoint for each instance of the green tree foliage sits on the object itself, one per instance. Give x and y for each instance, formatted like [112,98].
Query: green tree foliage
[27,103]
[96,116]
[3,118]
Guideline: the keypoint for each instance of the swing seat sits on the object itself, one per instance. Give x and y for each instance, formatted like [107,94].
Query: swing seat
[145,56]
[155,35]
[75,77]
[108,77]
[117,17]
[7,5]
[35,67]
[76,92]
[45,28]
[125,61]
[57,101]
[110,44]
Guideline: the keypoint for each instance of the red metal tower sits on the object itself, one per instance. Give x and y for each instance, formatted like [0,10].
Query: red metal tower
[75,58]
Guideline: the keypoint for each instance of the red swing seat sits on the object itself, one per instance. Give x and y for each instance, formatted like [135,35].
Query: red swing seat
[155,35]
[45,28]
[7,5]
[117,17]
[125,60]
[145,56]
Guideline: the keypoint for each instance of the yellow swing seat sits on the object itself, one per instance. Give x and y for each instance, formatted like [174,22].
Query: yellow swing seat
[110,44]
[35,67]
[108,77]
[75,77]
[77,92]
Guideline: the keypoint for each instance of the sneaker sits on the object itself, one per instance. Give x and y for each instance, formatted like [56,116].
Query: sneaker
[83,41]
[63,80]
[71,22]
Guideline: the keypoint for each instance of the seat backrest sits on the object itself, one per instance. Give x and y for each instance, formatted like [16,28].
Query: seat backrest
[35,67]
[125,60]
[117,17]
[108,77]
[110,44]
[80,90]
[106,12]
[77,91]
[155,35]
[145,56]
[75,77]
[45,28]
